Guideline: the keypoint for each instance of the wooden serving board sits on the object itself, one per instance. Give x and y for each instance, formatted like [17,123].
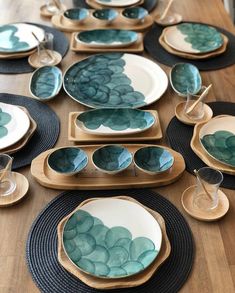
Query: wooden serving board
[75,134]
[136,47]
[132,281]
[92,179]
[90,23]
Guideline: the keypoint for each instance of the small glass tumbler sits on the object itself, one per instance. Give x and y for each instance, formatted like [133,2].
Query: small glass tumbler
[7,181]
[206,193]
[45,48]
[198,112]
[52,7]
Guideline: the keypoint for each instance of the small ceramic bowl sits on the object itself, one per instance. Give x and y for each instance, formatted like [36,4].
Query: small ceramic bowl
[112,159]
[153,159]
[134,14]
[76,15]
[67,161]
[105,16]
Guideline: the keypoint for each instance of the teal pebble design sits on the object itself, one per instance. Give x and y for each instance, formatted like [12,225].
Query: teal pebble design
[7,33]
[5,118]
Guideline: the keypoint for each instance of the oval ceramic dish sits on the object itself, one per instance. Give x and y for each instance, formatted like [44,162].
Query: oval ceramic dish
[117,3]
[134,14]
[193,38]
[46,82]
[17,37]
[112,159]
[124,121]
[184,76]
[217,137]
[153,159]
[67,161]
[111,238]
[106,15]
[115,80]
[107,38]
[76,15]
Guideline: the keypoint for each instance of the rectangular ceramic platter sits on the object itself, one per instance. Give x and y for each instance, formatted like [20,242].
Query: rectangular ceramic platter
[92,179]
[77,135]
[137,47]
[90,23]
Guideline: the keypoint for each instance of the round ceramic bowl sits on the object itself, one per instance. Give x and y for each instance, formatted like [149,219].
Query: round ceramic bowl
[76,15]
[112,159]
[67,161]
[134,15]
[153,159]
[105,16]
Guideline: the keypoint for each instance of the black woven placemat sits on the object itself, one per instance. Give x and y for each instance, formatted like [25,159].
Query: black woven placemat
[156,51]
[50,277]
[148,4]
[179,136]
[16,66]
[46,134]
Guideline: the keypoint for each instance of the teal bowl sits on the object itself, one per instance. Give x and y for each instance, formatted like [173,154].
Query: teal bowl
[153,159]
[112,159]
[76,15]
[67,161]
[105,16]
[134,14]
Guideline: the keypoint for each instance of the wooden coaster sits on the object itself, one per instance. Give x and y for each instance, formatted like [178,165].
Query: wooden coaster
[90,23]
[136,47]
[170,50]
[202,154]
[127,282]
[75,134]
[44,12]
[22,186]
[35,63]
[96,5]
[18,55]
[168,20]
[208,216]
[92,179]
[180,114]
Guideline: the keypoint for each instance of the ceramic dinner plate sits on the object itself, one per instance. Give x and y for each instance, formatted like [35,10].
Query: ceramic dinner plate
[14,124]
[117,3]
[115,80]
[114,121]
[112,238]
[193,38]
[217,137]
[17,37]
[107,38]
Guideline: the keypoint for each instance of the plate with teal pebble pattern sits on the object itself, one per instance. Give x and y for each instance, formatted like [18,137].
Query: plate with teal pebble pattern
[193,38]
[111,238]
[115,80]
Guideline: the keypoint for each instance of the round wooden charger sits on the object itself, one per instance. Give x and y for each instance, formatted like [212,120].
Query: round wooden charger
[34,61]
[169,19]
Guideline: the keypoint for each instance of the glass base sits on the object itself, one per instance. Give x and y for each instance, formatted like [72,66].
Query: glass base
[7,188]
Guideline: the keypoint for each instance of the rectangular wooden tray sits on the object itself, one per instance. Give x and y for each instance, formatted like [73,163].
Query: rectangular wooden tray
[92,179]
[137,47]
[77,135]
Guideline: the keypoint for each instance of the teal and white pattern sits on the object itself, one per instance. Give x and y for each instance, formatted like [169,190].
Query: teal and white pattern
[5,118]
[117,3]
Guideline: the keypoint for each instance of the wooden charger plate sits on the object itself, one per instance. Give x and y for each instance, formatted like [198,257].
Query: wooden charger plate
[92,179]
[75,134]
[18,55]
[127,282]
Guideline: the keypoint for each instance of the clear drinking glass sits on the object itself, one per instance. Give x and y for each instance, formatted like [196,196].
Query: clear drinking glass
[198,112]
[206,194]
[52,7]
[7,181]
[45,48]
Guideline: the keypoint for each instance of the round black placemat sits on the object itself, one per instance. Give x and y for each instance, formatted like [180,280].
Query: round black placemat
[179,136]
[50,277]
[156,51]
[46,134]
[16,66]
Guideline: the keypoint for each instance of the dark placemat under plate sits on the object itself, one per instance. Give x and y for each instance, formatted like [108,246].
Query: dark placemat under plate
[46,134]
[16,66]
[179,136]
[156,51]
[41,248]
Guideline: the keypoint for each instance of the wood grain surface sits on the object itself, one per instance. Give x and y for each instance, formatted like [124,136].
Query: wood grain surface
[214,265]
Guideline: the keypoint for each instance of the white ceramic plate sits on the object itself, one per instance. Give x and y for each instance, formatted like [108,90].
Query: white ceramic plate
[116,233]
[115,80]
[117,3]
[16,128]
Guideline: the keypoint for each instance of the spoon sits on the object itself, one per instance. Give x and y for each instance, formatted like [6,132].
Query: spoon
[203,185]
[58,5]
[46,51]
[166,10]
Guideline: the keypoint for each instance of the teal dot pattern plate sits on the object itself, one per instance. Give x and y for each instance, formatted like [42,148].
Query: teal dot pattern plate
[5,118]
[76,13]
[135,13]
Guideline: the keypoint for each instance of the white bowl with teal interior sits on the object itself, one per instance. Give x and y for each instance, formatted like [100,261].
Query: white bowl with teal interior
[76,15]
[112,159]
[67,161]
[105,16]
[153,159]
[134,15]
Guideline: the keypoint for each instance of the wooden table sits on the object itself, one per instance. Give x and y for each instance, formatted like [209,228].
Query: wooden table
[214,265]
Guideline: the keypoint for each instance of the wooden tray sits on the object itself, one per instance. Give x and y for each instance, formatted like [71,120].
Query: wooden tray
[90,23]
[132,281]
[202,154]
[77,135]
[137,47]
[92,179]
[96,5]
